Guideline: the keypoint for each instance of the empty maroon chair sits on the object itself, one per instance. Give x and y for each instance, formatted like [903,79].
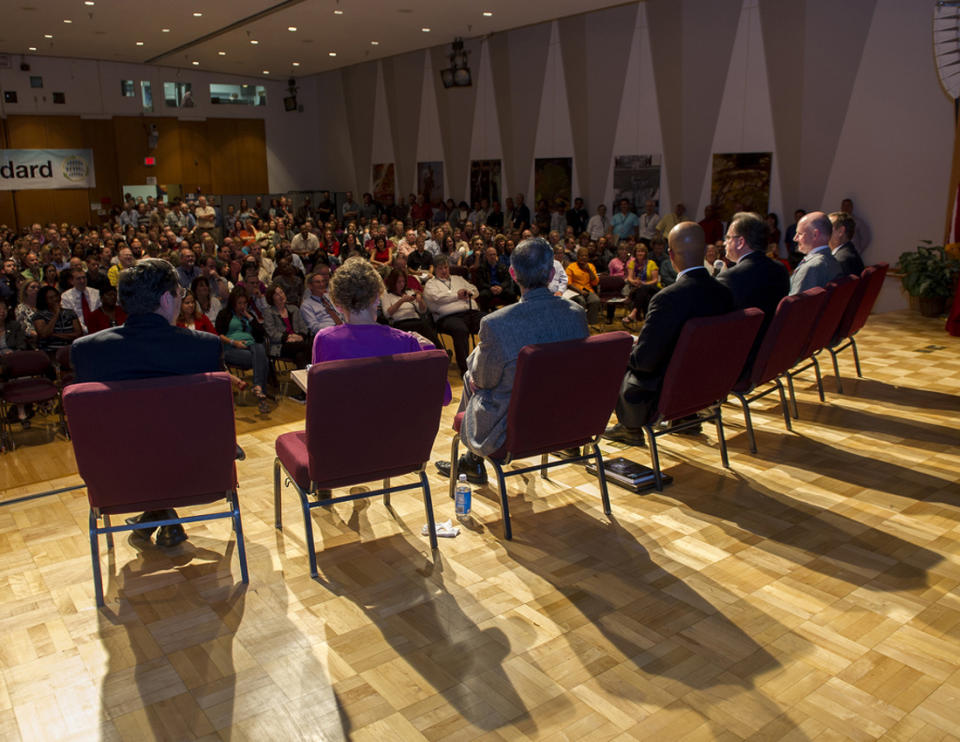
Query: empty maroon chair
[610,292]
[346,440]
[839,294]
[537,426]
[706,362]
[150,457]
[785,339]
[26,383]
[856,315]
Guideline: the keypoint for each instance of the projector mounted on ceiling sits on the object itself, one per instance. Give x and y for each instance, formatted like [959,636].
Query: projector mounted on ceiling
[457,75]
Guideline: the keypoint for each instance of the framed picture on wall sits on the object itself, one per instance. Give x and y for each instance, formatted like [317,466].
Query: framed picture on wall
[485,180]
[637,179]
[552,178]
[430,181]
[740,182]
[384,190]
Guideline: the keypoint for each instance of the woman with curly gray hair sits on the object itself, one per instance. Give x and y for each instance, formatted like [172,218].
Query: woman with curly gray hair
[356,288]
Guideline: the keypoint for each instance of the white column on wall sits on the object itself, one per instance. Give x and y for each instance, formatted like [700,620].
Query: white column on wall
[485,142]
[638,126]
[382,142]
[429,143]
[554,134]
[745,122]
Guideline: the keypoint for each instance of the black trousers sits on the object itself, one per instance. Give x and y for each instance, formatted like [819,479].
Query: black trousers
[460,326]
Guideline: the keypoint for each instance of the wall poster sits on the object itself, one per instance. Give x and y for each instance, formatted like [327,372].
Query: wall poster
[741,182]
[637,179]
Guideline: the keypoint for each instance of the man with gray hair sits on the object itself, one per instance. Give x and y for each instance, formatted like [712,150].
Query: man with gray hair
[539,317]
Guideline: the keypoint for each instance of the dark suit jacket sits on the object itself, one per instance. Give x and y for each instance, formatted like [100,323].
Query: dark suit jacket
[849,259]
[503,276]
[757,281]
[695,294]
[147,346]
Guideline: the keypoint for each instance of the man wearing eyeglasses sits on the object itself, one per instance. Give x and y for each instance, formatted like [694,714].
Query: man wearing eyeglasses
[148,345]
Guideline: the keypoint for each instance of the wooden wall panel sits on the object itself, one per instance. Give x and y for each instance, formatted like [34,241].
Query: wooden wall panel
[238,157]
[194,156]
[7,212]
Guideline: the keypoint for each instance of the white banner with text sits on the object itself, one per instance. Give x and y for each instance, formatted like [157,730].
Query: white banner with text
[22,169]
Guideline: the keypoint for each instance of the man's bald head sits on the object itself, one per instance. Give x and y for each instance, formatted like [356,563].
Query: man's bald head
[687,245]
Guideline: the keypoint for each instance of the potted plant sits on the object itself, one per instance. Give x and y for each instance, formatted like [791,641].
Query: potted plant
[930,275]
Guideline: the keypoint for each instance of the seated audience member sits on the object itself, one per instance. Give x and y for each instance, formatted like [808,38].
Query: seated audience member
[26,310]
[51,276]
[147,346]
[405,308]
[451,301]
[694,294]
[317,309]
[254,287]
[81,299]
[12,335]
[643,280]
[207,303]
[818,266]
[356,288]
[187,270]
[109,313]
[618,266]
[582,277]
[285,328]
[56,326]
[539,317]
[712,260]
[192,318]
[243,340]
[290,280]
[420,260]
[496,287]
[658,253]
[841,243]
[755,280]
[381,253]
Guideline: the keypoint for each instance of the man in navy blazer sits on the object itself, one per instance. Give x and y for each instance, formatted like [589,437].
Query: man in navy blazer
[841,242]
[147,345]
[694,294]
[818,267]
[755,280]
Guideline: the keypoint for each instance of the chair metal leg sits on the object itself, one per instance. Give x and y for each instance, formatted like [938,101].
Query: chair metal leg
[602,479]
[106,522]
[504,505]
[95,557]
[793,396]
[454,464]
[747,420]
[277,517]
[234,501]
[386,495]
[836,370]
[543,466]
[654,457]
[428,505]
[308,530]
[856,357]
[723,442]
[783,405]
[816,370]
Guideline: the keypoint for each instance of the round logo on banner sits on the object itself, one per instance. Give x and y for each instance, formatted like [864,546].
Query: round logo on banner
[75,168]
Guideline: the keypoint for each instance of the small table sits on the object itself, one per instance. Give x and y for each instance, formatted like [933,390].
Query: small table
[299,377]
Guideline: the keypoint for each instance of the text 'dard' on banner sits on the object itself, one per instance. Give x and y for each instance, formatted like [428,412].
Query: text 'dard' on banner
[23,169]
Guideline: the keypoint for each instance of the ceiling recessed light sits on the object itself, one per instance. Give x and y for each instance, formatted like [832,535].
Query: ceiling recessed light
[291,28]
[331,54]
[48,36]
[296,64]
[197,14]
[374,43]
[88,2]
[266,72]
[165,30]
[195,63]
[254,42]
[222,54]
[425,29]
[32,49]
[487,14]
[67,20]
[139,43]
[338,12]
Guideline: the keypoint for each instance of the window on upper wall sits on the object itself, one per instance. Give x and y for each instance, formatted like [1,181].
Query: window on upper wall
[127,89]
[241,95]
[146,94]
[178,94]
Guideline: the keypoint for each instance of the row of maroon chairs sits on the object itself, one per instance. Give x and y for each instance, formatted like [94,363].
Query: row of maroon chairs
[28,379]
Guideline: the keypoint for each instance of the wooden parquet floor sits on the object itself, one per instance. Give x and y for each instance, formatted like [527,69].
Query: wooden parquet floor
[810,592]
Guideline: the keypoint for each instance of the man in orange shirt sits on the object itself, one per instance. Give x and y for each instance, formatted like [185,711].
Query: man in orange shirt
[582,278]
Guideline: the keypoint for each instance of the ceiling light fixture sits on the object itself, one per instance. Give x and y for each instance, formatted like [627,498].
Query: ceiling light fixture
[32,49]
[331,54]
[266,72]
[374,43]
[457,75]
[338,12]
[195,63]
[487,14]
[48,36]
[89,2]
[197,14]
[222,54]
[67,20]
[139,43]
[291,28]
[254,42]
[425,29]
[296,64]
[165,30]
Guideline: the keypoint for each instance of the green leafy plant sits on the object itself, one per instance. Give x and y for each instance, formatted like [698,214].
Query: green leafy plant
[928,271]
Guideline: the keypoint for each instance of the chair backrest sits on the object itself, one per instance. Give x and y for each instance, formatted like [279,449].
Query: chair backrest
[22,363]
[373,417]
[459,270]
[839,293]
[563,393]
[707,361]
[872,280]
[610,286]
[786,336]
[170,440]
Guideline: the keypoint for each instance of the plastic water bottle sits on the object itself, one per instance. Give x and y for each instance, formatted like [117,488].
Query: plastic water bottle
[463,497]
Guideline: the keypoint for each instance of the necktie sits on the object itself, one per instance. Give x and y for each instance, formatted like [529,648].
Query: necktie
[85,308]
[330,310]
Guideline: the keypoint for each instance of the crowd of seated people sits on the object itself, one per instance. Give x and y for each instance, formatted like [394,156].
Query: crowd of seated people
[258,274]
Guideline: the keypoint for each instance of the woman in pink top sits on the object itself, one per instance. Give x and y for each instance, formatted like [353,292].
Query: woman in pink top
[356,288]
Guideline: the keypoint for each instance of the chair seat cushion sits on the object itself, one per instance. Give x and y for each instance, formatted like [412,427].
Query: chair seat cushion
[292,452]
[22,391]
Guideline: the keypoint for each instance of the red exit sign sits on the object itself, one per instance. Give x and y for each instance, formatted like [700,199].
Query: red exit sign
[149,161]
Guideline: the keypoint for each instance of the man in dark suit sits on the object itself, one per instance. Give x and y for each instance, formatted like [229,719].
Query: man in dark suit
[841,242]
[148,345]
[755,280]
[694,294]
[497,289]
